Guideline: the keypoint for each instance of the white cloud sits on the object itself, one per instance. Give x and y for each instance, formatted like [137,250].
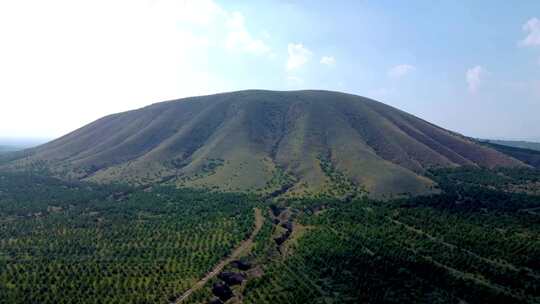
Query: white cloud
[400,70]
[240,39]
[298,56]
[328,60]
[200,12]
[229,27]
[474,78]
[138,52]
[532,28]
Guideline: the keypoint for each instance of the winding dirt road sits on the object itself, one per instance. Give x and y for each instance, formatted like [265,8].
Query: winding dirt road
[245,246]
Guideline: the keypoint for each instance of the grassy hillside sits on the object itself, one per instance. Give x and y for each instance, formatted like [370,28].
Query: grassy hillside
[298,143]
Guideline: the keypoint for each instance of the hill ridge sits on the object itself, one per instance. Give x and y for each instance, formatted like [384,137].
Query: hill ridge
[314,141]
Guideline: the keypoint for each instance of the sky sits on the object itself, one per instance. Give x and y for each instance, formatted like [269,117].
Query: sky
[469,66]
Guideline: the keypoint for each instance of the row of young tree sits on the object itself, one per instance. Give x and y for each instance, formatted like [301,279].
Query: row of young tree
[477,242]
[474,242]
[83,243]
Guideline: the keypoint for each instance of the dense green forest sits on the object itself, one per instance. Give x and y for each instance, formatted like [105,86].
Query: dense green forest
[477,241]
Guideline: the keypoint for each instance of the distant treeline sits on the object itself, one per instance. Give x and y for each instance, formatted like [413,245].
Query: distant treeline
[517,144]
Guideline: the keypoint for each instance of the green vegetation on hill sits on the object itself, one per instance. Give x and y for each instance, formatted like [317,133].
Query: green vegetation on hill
[263,141]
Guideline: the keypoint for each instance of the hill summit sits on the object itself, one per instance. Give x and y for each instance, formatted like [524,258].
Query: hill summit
[294,142]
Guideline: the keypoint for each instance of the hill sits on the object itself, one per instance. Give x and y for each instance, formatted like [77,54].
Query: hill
[17,144]
[10,148]
[529,156]
[515,143]
[4,149]
[296,142]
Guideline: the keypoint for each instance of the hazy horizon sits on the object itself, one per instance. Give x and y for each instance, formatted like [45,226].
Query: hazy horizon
[23,142]
[463,66]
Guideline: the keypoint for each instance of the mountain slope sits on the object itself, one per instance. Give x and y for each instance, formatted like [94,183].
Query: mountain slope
[528,156]
[299,142]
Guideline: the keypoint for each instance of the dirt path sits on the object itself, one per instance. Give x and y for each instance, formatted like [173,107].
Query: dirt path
[245,246]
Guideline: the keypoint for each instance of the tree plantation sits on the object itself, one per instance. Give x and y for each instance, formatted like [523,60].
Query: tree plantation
[75,243]
[476,241]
